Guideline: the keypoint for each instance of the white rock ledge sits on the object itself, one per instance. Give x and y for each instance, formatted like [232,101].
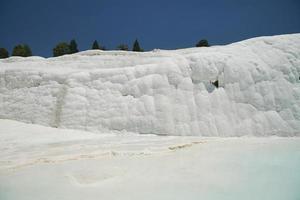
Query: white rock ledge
[161,92]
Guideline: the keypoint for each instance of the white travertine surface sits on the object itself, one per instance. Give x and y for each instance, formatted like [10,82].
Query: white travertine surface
[164,92]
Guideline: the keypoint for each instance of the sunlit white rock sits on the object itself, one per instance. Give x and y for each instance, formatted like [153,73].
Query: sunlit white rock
[161,92]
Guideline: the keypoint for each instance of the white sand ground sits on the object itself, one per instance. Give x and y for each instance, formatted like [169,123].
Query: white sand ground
[44,163]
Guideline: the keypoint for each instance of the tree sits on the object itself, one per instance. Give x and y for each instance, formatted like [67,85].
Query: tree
[136,46]
[202,43]
[123,47]
[27,50]
[61,49]
[22,50]
[95,45]
[3,53]
[73,47]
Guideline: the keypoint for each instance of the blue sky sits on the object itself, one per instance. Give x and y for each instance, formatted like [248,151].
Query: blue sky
[166,24]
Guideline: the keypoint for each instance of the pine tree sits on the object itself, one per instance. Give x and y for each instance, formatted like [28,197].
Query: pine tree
[95,45]
[73,47]
[3,53]
[202,43]
[22,50]
[136,46]
[61,49]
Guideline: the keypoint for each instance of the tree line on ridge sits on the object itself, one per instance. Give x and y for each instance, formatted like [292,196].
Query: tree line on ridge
[64,48]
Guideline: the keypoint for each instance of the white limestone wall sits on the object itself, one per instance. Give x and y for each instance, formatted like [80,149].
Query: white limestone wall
[161,92]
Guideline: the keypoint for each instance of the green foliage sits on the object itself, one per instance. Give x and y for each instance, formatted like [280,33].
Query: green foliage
[123,47]
[95,45]
[22,50]
[73,47]
[202,43]
[3,53]
[61,49]
[27,50]
[136,46]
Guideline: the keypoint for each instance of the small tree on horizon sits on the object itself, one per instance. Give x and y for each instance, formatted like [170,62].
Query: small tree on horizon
[202,43]
[61,48]
[95,45]
[73,47]
[136,46]
[123,47]
[22,50]
[3,53]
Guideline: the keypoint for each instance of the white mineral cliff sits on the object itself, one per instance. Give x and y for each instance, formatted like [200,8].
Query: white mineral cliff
[161,92]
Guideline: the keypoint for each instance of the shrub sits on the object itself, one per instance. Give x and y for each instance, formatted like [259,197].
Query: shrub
[202,43]
[3,53]
[61,49]
[22,50]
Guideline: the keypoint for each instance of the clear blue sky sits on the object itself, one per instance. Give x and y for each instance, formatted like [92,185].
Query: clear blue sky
[166,24]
